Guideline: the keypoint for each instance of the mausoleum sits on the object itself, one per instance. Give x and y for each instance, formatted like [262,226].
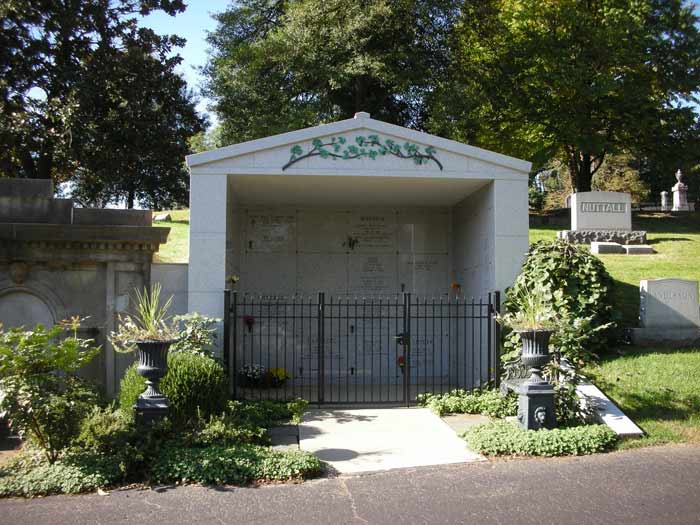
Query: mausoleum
[356,207]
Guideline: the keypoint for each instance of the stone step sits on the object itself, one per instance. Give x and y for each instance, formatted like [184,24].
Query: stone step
[638,249]
[606,247]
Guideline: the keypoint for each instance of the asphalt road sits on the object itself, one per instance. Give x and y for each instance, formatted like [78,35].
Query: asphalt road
[655,485]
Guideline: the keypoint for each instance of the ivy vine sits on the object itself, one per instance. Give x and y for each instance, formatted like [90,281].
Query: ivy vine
[365,147]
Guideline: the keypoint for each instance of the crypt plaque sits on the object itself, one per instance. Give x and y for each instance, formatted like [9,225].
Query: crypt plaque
[372,274]
[372,232]
[271,232]
[423,274]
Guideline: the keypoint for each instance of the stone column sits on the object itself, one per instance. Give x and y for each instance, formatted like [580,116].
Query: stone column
[664,201]
[680,194]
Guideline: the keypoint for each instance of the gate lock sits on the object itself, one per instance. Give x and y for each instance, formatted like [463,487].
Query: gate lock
[402,339]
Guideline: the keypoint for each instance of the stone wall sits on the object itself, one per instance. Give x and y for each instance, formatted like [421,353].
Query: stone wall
[57,261]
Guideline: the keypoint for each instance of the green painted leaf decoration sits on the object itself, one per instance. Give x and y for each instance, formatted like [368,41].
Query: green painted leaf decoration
[296,150]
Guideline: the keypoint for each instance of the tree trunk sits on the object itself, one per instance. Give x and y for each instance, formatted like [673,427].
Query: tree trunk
[580,171]
[131,197]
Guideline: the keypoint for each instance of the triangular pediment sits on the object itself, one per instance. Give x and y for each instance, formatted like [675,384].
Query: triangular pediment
[360,143]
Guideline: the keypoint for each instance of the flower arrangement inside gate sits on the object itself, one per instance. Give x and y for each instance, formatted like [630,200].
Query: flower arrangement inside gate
[251,374]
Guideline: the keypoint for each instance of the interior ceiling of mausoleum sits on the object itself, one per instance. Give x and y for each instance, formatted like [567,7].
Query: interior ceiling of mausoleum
[346,191]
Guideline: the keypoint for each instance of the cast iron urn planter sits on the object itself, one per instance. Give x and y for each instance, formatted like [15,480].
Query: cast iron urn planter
[535,352]
[152,405]
[535,396]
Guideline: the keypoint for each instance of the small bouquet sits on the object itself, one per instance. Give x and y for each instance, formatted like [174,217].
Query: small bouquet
[251,374]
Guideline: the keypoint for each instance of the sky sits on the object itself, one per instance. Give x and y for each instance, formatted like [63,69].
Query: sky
[192,25]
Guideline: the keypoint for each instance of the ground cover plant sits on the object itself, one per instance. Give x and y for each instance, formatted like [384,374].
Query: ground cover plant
[506,438]
[658,388]
[485,402]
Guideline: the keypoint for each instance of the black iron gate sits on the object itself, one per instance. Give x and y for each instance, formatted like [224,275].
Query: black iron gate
[378,350]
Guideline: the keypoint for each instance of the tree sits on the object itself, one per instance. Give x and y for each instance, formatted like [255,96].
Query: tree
[277,65]
[134,122]
[74,74]
[580,79]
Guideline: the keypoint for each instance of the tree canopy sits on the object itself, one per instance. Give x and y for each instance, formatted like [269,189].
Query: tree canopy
[88,96]
[577,78]
[281,65]
[538,79]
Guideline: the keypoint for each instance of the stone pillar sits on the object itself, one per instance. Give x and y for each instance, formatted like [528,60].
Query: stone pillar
[680,194]
[664,201]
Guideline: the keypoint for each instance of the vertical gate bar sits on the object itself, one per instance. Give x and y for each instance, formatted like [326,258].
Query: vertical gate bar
[408,347]
[497,340]
[449,342]
[277,347]
[488,339]
[364,351]
[321,314]
[388,347]
[347,349]
[474,382]
[371,376]
[294,346]
[309,317]
[432,331]
[227,339]
[442,350]
[234,356]
[425,346]
[260,338]
[355,346]
[457,347]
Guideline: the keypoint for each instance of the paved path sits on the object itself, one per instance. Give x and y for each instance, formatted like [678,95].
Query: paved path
[658,485]
[368,440]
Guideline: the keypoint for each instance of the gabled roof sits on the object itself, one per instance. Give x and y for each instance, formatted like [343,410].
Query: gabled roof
[360,121]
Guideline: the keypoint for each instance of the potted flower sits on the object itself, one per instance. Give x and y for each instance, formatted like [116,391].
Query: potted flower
[251,374]
[276,377]
[150,332]
[534,322]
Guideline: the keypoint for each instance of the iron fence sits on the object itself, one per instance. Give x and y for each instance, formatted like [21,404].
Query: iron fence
[375,350]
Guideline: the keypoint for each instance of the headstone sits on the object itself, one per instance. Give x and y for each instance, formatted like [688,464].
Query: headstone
[680,194]
[669,303]
[601,210]
[606,247]
[602,216]
[161,217]
[664,201]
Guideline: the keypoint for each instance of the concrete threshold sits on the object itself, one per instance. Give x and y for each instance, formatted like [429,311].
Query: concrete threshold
[369,440]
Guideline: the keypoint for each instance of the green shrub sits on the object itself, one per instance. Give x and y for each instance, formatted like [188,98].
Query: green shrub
[231,465]
[580,291]
[486,402]
[197,334]
[107,430]
[225,430]
[503,438]
[196,386]
[72,473]
[42,405]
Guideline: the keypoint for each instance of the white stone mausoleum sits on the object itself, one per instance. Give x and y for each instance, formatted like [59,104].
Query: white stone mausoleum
[357,207]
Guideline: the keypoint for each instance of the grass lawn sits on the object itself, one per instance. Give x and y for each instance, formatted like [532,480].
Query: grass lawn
[177,249]
[659,389]
[677,243]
